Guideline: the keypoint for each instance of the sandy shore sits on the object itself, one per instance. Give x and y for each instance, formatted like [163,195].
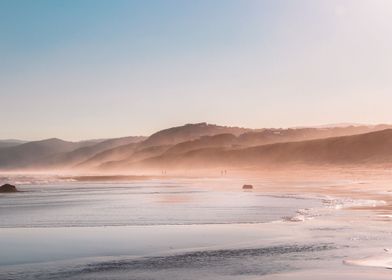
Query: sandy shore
[359,185]
[348,238]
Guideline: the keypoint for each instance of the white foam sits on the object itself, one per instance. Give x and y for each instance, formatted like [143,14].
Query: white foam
[303,215]
[383,260]
[385,216]
[331,204]
[342,203]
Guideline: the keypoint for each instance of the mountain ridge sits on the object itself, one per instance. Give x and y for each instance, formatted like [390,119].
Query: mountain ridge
[369,148]
[185,144]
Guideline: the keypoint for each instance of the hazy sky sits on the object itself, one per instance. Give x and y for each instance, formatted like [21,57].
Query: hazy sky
[104,68]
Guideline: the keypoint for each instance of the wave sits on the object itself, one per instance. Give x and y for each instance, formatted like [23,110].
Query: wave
[382,260]
[330,204]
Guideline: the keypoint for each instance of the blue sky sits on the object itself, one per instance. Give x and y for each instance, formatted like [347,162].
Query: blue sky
[81,69]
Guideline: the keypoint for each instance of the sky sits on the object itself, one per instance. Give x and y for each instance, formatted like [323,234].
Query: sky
[83,69]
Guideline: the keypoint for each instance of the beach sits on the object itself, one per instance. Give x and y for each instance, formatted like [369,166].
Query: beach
[332,224]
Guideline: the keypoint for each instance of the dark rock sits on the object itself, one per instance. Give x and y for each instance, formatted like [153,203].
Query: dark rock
[7,188]
[247,187]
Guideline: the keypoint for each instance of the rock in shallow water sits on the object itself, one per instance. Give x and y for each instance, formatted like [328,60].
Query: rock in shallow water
[8,188]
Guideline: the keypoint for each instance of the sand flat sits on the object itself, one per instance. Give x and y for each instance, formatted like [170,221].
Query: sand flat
[320,230]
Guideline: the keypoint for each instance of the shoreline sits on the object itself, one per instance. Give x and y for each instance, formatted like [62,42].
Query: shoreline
[337,223]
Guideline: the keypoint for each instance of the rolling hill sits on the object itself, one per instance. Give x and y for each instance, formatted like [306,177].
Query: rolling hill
[28,153]
[7,143]
[157,144]
[370,148]
[204,145]
[55,153]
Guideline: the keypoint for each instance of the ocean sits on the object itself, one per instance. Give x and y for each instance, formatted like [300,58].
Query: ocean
[166,229]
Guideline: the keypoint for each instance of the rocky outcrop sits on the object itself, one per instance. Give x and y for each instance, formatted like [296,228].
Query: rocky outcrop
[7,188]
[247,187]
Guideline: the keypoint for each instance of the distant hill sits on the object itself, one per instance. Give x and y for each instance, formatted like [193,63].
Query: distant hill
[141,153]
[114,154]
[7,143]
[79,155]
[370,148]
[137,156]
[26,154]
[162,140]
[204,145]
[188,132]
[55,153]
[220,140]
[186,152]
[270,136]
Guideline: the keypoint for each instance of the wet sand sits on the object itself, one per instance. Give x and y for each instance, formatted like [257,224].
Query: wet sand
[348,237]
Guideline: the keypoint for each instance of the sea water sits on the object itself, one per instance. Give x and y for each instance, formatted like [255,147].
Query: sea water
[161,229]
[141,203]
